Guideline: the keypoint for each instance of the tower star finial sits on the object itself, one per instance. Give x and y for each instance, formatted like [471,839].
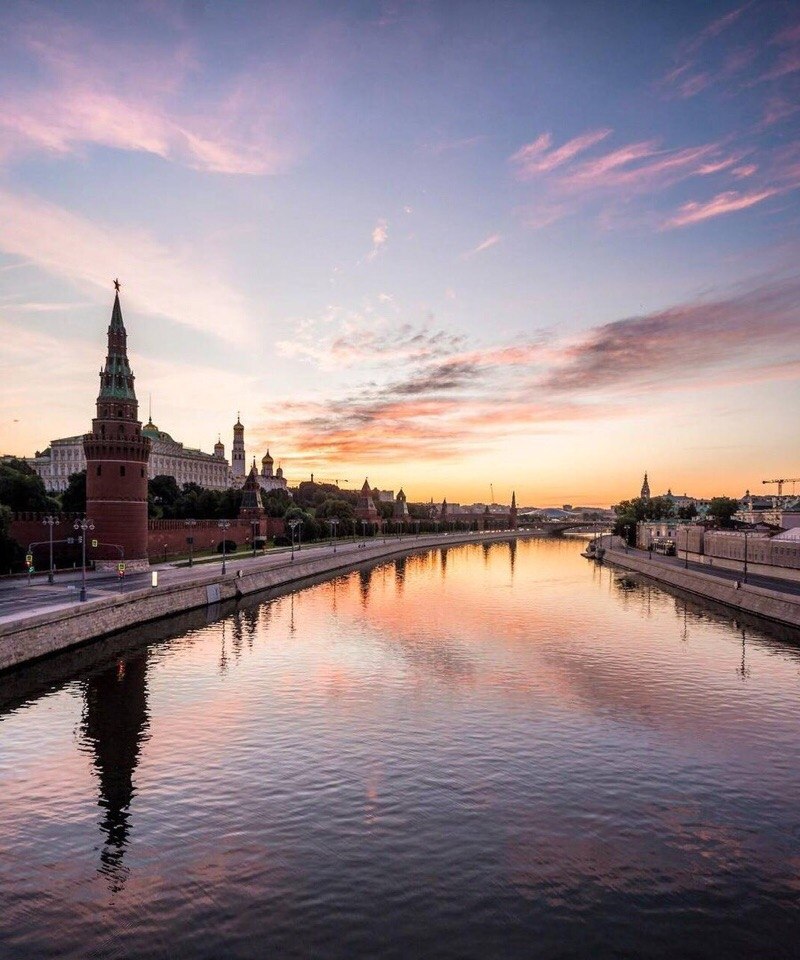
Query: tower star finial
[117,285]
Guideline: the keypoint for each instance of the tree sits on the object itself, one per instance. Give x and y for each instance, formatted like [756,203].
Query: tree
[335,508]
[73,499]
[722,509]
[309,526]
[21,488]
[163,495]
[11,552]
[276,502]
[689,512]
[631,512]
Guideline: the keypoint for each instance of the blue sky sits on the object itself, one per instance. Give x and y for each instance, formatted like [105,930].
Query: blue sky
[442,244]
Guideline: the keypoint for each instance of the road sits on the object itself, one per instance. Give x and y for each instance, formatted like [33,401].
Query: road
[753,579]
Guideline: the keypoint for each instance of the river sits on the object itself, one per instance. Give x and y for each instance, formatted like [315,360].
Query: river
[487,751]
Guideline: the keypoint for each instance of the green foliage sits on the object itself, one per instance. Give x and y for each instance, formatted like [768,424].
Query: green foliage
[165,500]
[11,553]
[310,529]
[21,488]
[309,495]
[689,512]
[275,502]
[631,512]
[73,499]
[336,508]
[722,509]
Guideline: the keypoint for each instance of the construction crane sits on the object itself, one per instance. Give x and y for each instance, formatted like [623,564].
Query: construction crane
[781,481]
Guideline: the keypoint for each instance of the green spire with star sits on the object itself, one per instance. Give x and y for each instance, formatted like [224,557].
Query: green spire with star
[116,377]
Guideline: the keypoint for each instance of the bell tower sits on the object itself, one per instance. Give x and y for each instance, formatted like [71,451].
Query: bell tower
[116,458]
[237,452]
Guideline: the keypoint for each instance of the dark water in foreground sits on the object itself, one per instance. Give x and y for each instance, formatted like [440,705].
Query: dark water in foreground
[488,752]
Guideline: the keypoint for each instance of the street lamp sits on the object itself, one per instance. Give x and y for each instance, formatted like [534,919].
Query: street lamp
[686,549]
[294,524]
[254,524]
[627,536]
[334,522]
[744,576]
[190,524]
[51,521]
[83,525]
[224,525]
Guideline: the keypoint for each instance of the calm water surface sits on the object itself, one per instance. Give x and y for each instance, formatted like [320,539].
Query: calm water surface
[479,752]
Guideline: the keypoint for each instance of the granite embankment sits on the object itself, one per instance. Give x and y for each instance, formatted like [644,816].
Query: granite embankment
[39,634]
[772,604]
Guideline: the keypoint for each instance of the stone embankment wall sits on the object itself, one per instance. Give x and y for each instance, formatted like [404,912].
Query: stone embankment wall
[31,637]
[772,604]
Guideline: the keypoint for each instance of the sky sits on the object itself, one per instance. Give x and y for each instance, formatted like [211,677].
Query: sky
[455,247]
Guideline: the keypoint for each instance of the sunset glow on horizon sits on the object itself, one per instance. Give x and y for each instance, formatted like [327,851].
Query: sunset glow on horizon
[455,248]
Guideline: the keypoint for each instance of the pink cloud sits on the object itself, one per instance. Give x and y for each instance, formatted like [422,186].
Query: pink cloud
[728,202]
[128,97]
[485,244]
[537,157]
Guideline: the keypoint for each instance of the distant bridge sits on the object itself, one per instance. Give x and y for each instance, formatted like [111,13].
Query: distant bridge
[555,528]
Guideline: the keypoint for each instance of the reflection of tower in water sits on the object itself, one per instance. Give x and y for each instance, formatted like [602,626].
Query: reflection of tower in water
[365,578]
[512,555]
[443,562]
[115,722]
[400,573]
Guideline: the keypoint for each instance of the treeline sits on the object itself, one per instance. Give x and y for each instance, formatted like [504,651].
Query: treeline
[630,512]
[313,504]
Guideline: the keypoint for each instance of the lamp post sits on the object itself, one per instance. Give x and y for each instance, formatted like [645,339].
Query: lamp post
[165,553]
[254,528]
[686,549]
[224,525]
[417,523]
[83,525]
[334,522]
[744,575]
[294,524]
[51,522]
[627,536]
[364,531]
[190,525]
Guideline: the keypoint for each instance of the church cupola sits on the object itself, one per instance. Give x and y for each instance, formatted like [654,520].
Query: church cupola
[645,494]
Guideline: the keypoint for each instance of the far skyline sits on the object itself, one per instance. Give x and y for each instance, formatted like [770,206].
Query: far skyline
[539,246]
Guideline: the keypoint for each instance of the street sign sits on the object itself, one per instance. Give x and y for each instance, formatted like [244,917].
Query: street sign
[121,567]
[29,558]
[94,543]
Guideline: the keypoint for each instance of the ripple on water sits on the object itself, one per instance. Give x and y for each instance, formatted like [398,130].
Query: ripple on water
[477,752]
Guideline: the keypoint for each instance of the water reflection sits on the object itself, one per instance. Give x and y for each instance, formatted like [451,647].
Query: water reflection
[448,754]
[114,727]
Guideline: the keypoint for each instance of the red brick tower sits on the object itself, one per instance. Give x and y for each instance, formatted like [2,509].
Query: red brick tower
[512,513]
[365,508]
[116,459]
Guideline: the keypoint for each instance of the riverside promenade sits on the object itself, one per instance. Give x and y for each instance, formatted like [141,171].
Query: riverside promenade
[769,597]
[40,619]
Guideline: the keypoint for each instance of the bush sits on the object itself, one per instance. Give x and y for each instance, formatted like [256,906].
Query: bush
[230,546]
